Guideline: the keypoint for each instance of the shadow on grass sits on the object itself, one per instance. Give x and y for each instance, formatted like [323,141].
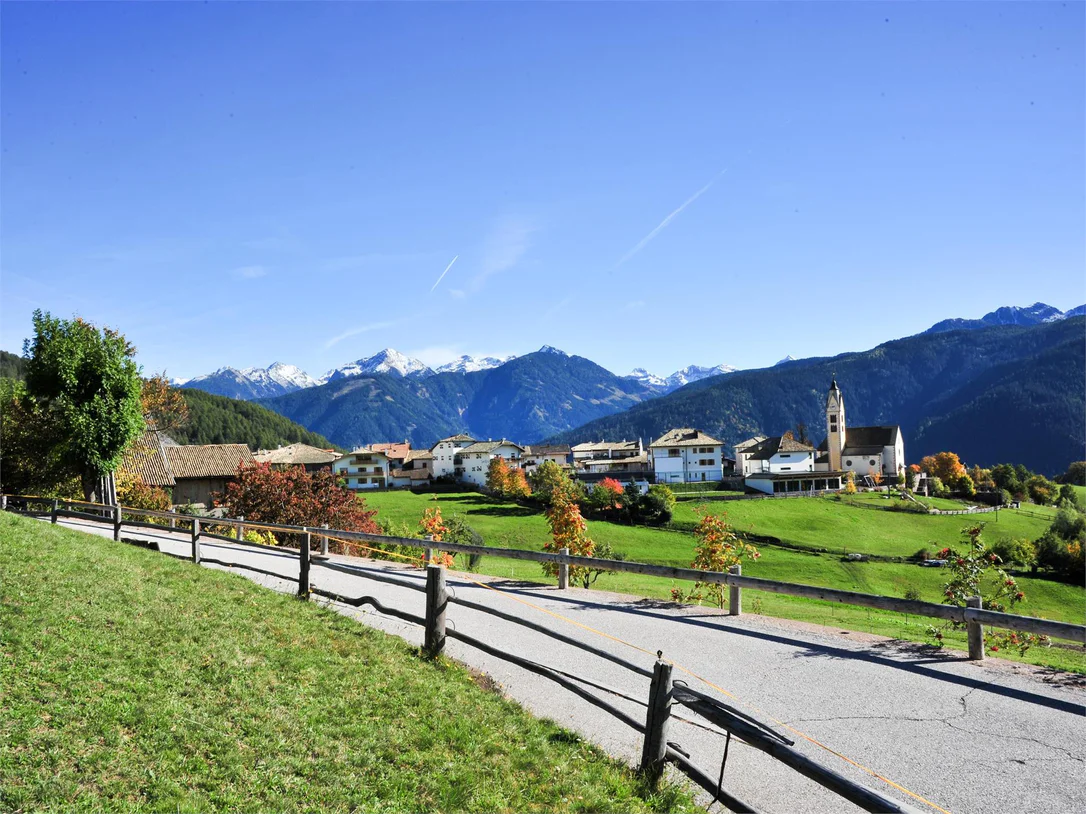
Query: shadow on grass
[480,504]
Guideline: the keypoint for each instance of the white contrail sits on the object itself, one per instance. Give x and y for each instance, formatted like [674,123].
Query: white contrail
[442,277]
[645,240]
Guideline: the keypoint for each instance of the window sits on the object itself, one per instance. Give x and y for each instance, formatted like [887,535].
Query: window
[871,462]
[833,423]
[785,455]
[848,463]
[786,469]
[674,453]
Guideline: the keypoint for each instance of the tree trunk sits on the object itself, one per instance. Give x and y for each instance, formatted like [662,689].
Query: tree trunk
[90,482]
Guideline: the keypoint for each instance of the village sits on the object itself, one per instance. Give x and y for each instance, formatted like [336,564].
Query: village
[774,466]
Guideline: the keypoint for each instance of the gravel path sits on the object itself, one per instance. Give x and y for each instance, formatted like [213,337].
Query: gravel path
[969,737]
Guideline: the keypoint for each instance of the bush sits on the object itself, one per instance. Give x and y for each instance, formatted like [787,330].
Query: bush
[921,555]
[1014,552]
[912,594]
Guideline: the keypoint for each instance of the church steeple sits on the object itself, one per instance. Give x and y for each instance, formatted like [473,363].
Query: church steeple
[835,425]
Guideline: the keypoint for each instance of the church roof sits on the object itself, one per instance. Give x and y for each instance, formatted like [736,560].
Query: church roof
[867,440]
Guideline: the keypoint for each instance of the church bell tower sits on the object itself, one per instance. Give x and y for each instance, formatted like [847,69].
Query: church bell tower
[835,426]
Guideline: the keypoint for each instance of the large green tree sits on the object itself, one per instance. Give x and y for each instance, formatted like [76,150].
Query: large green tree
[87,380]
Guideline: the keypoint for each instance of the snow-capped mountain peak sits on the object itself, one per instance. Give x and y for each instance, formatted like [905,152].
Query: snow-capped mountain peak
[552,349]
[471,364]
[690,373]
[788,358]
[290,377]
[385,361]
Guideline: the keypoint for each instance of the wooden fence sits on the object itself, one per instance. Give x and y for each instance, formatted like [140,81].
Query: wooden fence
[664,694]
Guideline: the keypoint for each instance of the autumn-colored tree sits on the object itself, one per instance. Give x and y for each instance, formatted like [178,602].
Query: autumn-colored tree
[295,497]
[164,407]
[877,478]
[516,484]
[497,475]
[134,493]
[850,484]
[607,495]
[546,478]
[568,530]
[946,466]
[982,478]
[718,549]
[433,526]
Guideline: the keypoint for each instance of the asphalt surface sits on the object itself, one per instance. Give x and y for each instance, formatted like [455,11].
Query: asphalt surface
[969,737]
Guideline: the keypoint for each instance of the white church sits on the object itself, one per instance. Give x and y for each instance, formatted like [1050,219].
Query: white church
[784,465]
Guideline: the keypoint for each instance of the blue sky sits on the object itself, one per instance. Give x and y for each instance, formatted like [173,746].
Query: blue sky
[645,185]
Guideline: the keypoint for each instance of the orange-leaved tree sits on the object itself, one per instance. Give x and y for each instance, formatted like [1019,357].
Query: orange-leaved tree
[946,466]
[432,524]
[568,530]
[497,475]
[718,549]
[516,484]
[163,406]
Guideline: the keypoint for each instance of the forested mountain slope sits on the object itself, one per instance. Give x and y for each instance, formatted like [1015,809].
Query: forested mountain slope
[993,394]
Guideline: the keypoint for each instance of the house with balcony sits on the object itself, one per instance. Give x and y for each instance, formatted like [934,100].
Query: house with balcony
[474,460]
[363,468]
[606,450]
[536,454]
[444,455]
[416,469]
[687,455]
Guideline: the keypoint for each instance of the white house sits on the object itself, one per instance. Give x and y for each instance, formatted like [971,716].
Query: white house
[782,464]
[536,454]
[444,452]
[686,455]
[741,465]
[474,460]
[364,468]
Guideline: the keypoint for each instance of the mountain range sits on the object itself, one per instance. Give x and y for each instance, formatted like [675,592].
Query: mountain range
[1007,386]
[279,379]
[1034,314]
[992,394]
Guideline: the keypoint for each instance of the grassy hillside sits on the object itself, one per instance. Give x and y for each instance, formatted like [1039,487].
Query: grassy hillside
[525,400]
[134,682]
[998,394]
[221,420]
[815,522]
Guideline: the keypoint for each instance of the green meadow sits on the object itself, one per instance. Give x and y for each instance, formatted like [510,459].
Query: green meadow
[812,523]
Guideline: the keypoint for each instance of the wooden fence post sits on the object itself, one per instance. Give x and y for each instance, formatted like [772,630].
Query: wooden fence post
[657,719]
[429,551]
[436,602]
[53,515]
[3,503]
[975,631]
[241,527]
[196,540]
[303,567]
[735,593]
[116,524]
[324,541]
[563,571]
[173,519]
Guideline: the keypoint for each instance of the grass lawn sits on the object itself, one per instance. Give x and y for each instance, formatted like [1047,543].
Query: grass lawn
[130,681]
[815,522]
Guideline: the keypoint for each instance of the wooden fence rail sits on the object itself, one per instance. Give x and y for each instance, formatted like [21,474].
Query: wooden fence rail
[971,616]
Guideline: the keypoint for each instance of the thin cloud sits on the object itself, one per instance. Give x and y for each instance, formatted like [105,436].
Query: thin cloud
[442,277]
[249,272]
[503,248]
[360,329]
[663,224]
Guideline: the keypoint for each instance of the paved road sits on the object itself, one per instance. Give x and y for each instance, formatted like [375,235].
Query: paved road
[969,737]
